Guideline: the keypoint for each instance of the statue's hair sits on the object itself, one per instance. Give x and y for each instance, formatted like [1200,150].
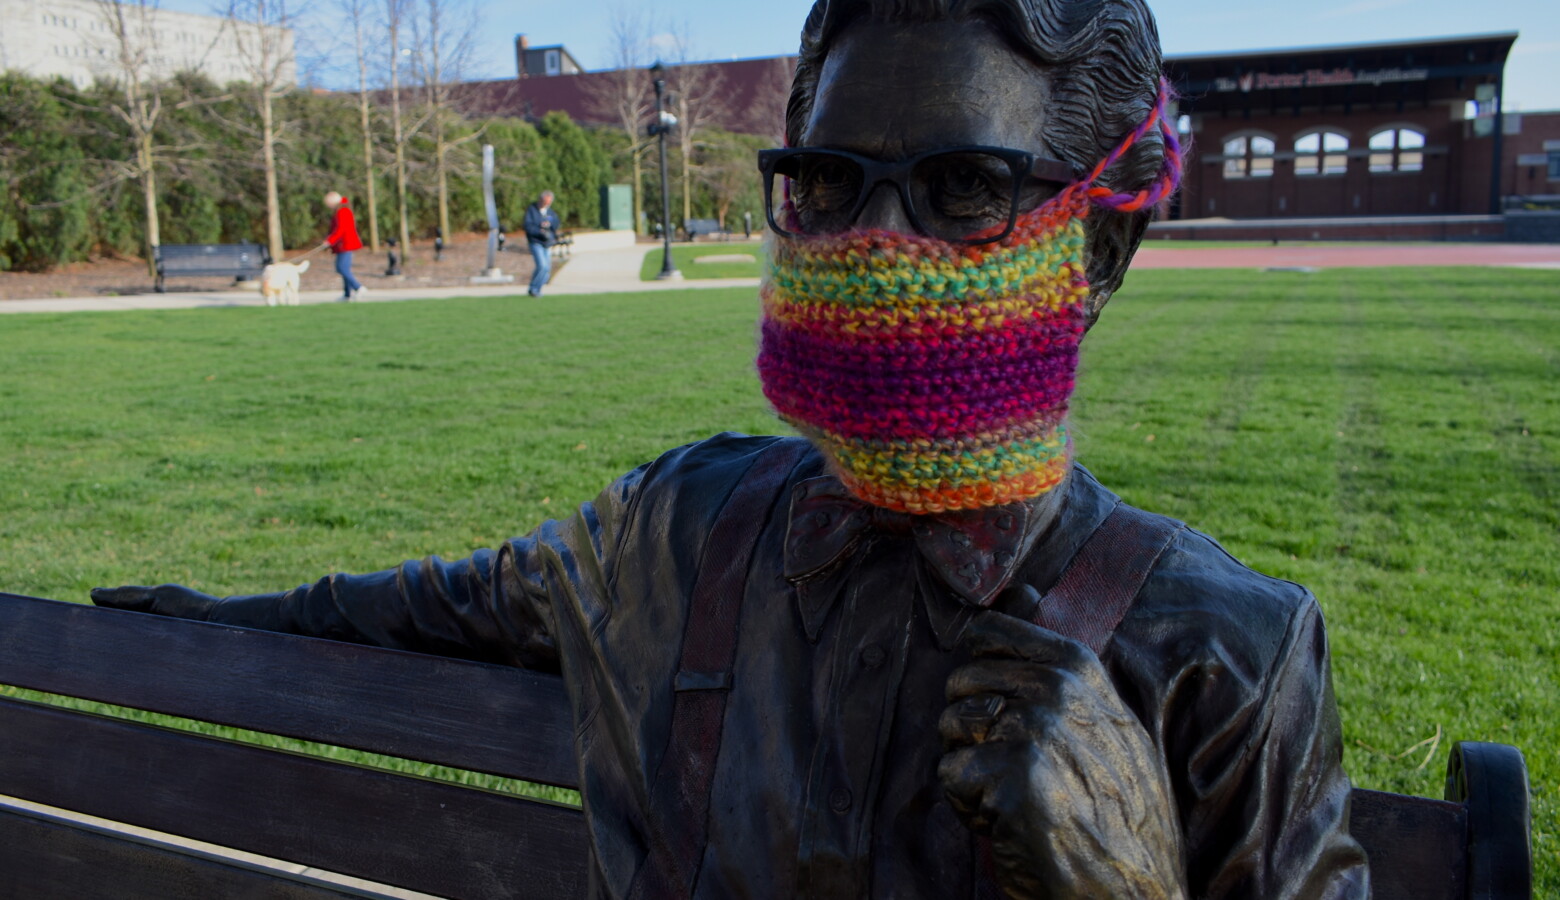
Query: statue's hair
[1104,62]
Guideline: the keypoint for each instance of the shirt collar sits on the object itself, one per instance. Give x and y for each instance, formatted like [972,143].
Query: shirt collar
[971,554]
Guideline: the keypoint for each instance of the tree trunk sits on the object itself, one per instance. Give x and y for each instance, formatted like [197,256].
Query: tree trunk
[639,183]
[371,196]
[273,209]
[146,162]
[440,149]
[400,197]
[400,150]
[687,188]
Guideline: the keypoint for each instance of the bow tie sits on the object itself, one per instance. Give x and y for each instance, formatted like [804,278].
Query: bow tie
[973,552]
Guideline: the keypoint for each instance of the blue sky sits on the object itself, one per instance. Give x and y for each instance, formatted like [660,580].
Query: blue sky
[721,29]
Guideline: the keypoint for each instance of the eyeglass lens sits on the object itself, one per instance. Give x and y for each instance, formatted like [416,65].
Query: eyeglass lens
[952,195]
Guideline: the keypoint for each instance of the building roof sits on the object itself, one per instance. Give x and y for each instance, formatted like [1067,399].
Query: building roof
[1346,73]
[752,94]
[1500,37]
[1409,71]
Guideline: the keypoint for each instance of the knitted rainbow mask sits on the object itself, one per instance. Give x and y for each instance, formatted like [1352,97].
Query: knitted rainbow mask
[936,376]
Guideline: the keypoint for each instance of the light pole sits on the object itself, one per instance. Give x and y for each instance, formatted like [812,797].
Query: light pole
[664,122]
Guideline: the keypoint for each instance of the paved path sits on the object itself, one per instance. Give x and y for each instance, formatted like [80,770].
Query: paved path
[1337,256]
[617,270]
[595,272]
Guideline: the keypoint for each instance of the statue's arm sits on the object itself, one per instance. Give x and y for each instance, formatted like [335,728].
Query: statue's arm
[1269,817]
[497,606]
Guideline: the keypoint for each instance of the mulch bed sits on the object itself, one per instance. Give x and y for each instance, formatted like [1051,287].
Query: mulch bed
[465,256]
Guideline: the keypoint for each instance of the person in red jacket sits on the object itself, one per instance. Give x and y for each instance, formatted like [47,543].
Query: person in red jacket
[342,240]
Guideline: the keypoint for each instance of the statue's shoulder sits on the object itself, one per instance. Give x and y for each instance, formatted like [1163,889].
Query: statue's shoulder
[1197,572]
[1201,604]
[1199,594]
[693,482]
[1197,578]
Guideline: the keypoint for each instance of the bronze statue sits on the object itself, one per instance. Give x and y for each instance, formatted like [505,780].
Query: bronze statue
[921,653]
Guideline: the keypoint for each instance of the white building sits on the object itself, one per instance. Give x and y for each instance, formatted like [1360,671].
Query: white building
[75,39]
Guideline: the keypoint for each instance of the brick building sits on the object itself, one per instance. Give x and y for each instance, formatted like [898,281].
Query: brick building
[1364,136]
[1382,129]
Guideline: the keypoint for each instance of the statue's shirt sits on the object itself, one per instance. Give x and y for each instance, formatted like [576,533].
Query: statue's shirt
[825,785]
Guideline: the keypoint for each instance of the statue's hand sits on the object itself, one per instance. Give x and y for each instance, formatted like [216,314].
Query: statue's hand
[164,600]
[1042,756]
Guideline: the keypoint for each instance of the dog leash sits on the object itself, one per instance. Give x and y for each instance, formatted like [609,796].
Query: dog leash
[305,255]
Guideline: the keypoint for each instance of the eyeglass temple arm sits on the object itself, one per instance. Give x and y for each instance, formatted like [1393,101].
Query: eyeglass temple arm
[1055,170]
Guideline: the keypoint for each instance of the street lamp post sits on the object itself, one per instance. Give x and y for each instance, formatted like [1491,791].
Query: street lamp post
[663,123]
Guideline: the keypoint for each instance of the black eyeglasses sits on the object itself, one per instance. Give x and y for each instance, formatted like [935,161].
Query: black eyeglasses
[966,195]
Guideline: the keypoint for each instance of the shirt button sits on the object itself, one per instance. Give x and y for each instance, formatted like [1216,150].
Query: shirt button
[839,800]
[873,656]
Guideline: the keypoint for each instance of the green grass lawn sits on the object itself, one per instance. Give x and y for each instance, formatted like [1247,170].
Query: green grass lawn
[686,258]
[1390,438]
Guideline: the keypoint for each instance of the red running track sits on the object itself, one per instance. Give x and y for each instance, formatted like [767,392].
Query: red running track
[1332,256]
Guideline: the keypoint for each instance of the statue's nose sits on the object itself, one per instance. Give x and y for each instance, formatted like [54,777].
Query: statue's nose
[885,210]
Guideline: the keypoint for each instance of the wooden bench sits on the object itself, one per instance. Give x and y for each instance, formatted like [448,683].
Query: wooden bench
[693,228]
[241,262]
[416,834]
[564,248]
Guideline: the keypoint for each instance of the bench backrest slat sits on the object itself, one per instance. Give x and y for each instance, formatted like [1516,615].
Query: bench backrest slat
[416,833]
[1417,846]
[444,711]
[227,259]
[395,829]
[42,857]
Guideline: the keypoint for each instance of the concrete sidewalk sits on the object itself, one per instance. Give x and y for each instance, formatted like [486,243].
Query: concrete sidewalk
[616,270]
[604,271]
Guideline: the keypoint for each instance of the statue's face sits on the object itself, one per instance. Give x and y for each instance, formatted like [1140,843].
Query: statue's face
[892,91]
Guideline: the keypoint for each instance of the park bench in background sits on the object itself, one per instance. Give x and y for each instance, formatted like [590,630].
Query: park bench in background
[241,262]
[696,227]
[421,835]
[565,246]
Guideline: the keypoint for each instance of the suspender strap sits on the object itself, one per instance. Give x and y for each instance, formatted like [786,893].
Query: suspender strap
[680,797]
[1091,597]
[1088,601]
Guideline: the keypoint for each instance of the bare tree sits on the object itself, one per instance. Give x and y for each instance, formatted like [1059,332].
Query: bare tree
[444,37]
[698,100]
[397,13]
[131,54]
[623,95]
[728,172]
[766,111]
[263,40]
[357,12]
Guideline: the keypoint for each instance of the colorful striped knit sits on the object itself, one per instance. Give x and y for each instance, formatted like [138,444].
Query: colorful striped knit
[936,376]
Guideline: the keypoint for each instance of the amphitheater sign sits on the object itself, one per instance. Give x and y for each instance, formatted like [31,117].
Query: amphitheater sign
[1263,81]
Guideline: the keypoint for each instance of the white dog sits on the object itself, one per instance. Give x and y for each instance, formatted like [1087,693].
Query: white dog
[279,283]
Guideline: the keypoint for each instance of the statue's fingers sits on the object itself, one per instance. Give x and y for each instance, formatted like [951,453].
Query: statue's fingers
[970,720]
[132,597]
[1009,677]
[994,634]
[979,782]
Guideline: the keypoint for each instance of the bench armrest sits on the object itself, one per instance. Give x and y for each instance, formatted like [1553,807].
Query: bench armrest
[1491,781]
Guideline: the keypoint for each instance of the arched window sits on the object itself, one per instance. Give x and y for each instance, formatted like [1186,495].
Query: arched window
[1249,156]
[1397,150]
[1322,153]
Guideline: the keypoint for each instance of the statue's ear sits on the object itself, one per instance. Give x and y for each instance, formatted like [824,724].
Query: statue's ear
[1113,240]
